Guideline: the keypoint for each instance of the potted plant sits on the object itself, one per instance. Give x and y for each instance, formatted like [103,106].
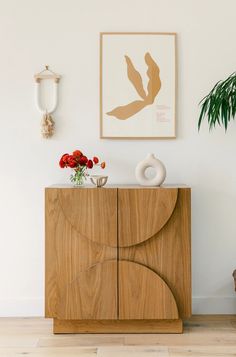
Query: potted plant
[219,106]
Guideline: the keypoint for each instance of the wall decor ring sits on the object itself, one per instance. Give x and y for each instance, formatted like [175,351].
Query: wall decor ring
[157,165]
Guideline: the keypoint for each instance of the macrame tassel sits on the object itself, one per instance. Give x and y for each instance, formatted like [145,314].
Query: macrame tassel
[48,126]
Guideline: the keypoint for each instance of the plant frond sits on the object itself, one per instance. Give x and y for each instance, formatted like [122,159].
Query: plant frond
[219,106]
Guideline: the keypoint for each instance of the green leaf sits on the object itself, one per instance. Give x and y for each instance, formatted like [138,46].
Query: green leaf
[219,106]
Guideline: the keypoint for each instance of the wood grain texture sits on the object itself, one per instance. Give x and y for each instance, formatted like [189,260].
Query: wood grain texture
[52,214]
[81,261]
[143,212]
[92,295]
[168,252]
[143,294]
[92,213]
[118,326]
[68,253]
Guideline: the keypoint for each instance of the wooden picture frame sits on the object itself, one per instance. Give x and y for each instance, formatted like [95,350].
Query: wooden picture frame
[138,83]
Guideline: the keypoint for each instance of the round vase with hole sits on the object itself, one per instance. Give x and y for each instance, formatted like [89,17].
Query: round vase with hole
[157,165]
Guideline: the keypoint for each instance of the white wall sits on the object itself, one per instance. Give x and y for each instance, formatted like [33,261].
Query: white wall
[65,34]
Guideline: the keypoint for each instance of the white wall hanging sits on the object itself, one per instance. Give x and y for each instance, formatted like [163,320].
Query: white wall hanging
[48,124]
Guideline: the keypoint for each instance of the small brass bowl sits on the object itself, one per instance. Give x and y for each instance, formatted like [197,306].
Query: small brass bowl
[98,180]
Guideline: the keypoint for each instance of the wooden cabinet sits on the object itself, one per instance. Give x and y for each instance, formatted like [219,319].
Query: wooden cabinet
[118,259]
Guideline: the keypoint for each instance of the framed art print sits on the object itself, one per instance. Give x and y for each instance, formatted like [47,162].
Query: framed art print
[137,85]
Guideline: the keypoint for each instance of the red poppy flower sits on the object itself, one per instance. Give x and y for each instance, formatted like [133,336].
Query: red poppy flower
[63,161]
[77,153]
[71,161]
[103,165]
[62,164]
[65,157]
[83,160]
[89,164]
[95,160]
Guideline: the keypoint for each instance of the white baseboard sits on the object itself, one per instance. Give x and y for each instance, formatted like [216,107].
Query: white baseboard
[214,305]
[35,307]
[21,307]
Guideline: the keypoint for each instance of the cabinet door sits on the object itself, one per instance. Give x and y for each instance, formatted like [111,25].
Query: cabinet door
[81,253]
[154,253]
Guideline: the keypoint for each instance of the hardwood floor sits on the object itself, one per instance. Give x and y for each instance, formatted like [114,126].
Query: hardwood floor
[203,336]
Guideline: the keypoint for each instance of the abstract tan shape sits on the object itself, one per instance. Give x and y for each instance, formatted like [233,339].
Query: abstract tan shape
[135,78]
[154,85]
[126,111]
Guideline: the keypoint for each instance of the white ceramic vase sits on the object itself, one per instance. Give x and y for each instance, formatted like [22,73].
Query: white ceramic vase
[157,165]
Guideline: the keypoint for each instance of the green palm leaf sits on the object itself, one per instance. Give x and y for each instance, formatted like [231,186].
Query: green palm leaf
[219,106]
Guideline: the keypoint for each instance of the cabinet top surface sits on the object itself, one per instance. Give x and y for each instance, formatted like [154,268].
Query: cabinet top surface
[127,186]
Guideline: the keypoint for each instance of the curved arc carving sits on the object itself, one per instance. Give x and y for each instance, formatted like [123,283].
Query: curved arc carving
[76,229]
[149,238]
[77,294]
[163,307]
[91,267]
[157,230]
[152,270]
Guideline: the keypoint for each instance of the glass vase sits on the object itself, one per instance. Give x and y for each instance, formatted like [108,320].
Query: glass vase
[78,178]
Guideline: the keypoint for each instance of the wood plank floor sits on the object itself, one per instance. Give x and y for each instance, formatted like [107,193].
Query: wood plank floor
[204,336]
